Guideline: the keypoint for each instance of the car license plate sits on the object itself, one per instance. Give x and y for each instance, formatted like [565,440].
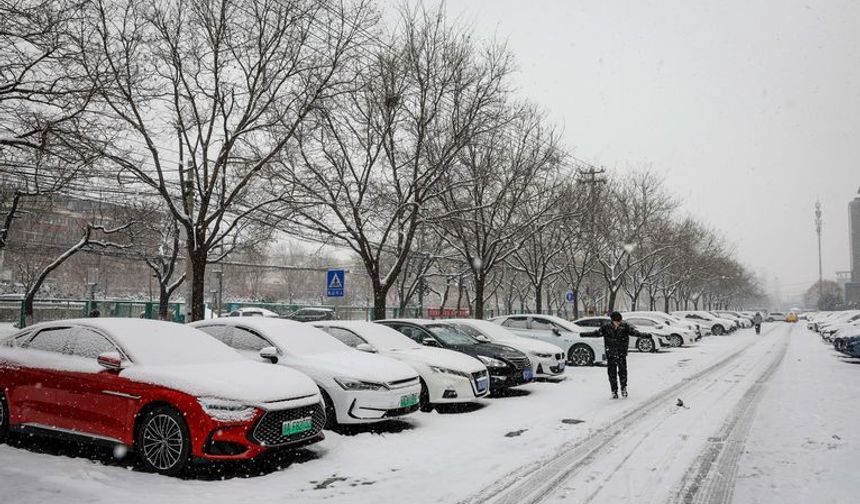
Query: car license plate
[527,374]
[408,400]
[297,426]
[481,384]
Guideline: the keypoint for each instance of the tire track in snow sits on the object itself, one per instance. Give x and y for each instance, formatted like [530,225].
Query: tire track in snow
[712,477]
[533,482]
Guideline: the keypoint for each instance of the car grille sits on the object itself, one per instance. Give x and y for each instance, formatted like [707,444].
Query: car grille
[519,363]
[268,430]
[397,384]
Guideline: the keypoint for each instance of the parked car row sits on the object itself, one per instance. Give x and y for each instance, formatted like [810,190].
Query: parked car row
[232,388]
[841,328]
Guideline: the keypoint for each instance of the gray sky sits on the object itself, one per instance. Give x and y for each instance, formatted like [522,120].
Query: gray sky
[750,109]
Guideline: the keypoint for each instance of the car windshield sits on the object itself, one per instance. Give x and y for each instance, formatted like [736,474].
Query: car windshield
[384,338]
[451,335]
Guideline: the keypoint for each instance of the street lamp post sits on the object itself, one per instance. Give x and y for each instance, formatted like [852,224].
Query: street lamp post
[818,232]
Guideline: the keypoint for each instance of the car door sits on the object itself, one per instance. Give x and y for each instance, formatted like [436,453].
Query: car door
[39,392]
[103,398]
[542,329]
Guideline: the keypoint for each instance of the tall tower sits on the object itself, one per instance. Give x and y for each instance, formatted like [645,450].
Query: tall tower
[852,288]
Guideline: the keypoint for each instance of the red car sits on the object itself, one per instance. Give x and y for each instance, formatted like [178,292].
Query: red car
[167,391]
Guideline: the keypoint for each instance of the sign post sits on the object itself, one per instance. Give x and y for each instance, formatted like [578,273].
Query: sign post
[334,283]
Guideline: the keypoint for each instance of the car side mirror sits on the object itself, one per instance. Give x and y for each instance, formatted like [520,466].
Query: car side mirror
[482,338]
[365,347]
[112,361]
[429,342]
[556,331]
[270,354]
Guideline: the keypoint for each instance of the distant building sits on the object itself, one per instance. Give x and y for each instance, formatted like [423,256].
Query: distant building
[852,288]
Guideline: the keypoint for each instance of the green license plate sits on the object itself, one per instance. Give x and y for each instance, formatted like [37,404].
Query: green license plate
[408,400]
[296,426]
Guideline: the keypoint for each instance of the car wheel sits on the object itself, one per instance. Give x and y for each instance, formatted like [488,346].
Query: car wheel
[424,399]
[645,345]
[676,341]
[580,355]
[330,413]
[769,320]
[163,441]
[718,330]
[4,417]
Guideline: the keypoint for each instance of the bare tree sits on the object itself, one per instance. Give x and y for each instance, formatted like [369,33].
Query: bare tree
[511,165]
[370,166]
[201,96]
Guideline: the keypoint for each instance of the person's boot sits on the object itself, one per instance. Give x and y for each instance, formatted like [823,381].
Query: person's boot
[624,392]
[614,394]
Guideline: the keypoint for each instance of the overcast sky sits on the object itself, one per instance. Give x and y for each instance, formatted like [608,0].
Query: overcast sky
[750,109]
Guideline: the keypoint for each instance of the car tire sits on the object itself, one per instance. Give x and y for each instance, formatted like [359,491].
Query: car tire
[424,399]
[718,330]
[676,340]
[330,412]
[580,355]
[645,345]
[769,320]
[163,441]
[4,417]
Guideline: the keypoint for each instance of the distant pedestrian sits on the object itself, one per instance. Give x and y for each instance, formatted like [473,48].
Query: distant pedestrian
[616,338]
[757,320]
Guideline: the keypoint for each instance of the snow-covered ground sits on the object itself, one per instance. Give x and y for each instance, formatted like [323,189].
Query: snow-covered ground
[784,392]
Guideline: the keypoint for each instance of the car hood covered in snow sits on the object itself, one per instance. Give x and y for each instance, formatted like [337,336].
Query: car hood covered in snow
[243,380]
[439,357]
[352,364]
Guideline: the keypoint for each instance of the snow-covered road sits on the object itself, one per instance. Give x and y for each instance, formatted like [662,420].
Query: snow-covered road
[549,442]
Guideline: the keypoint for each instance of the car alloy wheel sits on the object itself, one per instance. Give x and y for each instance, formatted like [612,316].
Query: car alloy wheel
[581,355]
[163,441]
[676,341]
[645,344]
[718,330]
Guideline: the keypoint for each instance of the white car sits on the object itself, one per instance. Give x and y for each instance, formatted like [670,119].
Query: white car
[678,335]
[686,329]
[447,377]
[743,320]
[655,341]
[357,387]
[253,311]
[717,326]
[580,350]
[547,359]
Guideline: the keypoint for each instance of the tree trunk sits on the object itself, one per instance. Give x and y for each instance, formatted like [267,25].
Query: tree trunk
[198,285]
[538,298]
[163,302]
[379,302]
[479,297]
[610,302]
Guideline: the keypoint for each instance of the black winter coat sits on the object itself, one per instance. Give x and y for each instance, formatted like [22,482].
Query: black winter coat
[617,340]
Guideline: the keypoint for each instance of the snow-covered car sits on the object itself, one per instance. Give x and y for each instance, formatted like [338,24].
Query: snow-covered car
[253,311]
[775,317]
[508,367]
[447,377]
[168,391]
[676,336]
[675,325]
[357,387]
[312,314]
[580,350]
[548,360]
[717,326]
[743,321]
[831,327]
[653,341]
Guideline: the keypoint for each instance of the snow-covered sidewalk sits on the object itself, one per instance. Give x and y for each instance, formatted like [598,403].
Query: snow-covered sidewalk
[425,458]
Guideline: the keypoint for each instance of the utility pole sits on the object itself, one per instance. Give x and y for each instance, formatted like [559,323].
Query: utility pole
[818,232]
[593,178]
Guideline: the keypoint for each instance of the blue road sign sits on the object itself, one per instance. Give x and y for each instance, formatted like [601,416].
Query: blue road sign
[334,283]
[569,297]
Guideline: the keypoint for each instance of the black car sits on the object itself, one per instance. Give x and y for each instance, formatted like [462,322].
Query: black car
[508,366]
[311,314]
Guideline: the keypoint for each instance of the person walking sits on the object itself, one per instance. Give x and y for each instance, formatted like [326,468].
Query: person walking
[757,320]
[616,338]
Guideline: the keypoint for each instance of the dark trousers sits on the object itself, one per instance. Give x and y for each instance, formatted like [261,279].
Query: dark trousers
[617,365]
